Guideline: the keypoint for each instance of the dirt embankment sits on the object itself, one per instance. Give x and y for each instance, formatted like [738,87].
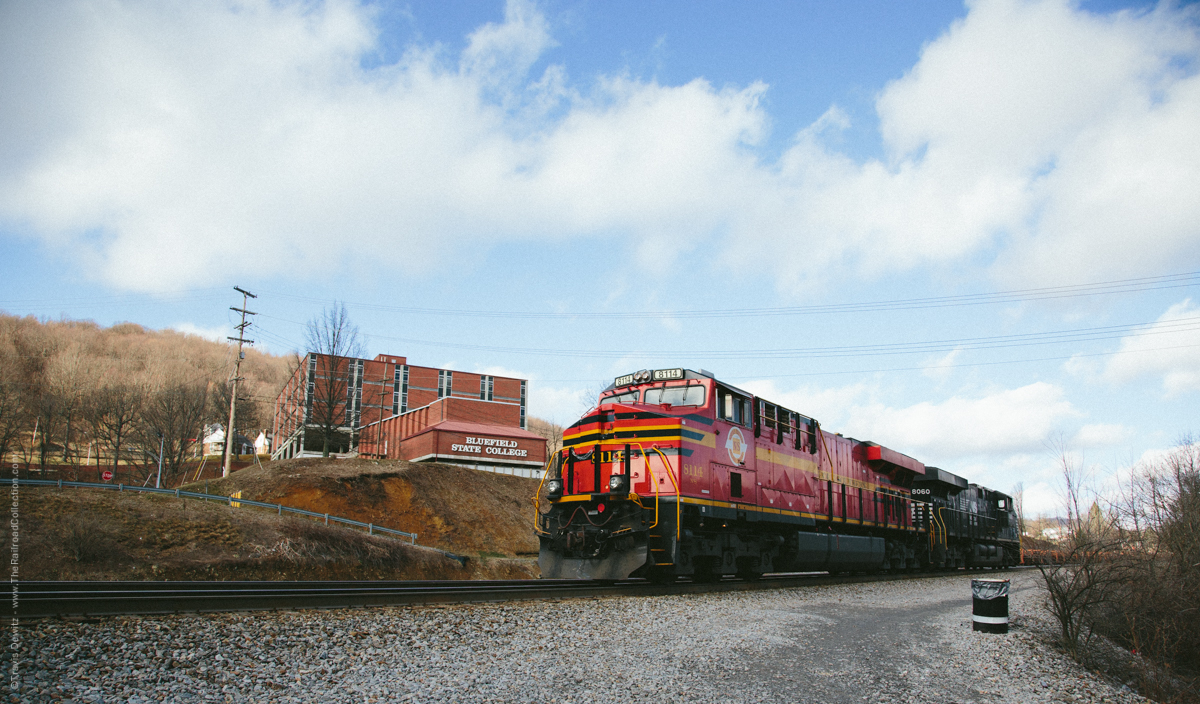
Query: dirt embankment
[90,534]
[449,507]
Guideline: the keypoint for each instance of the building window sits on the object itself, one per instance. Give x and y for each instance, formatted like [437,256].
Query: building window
[396,392]
[310,387]
[487,387]
[523,383]
[358,391]
[404,391]
[445,383]
[354,380]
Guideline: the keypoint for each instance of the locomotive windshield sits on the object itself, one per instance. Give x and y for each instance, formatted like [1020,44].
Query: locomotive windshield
[691,395]
[627,397]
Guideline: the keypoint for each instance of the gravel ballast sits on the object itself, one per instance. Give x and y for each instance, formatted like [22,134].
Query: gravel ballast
[908,641]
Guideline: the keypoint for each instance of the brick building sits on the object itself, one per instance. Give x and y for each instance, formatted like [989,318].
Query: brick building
[388,408]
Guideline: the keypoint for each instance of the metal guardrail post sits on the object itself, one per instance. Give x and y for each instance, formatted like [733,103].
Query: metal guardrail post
[327,519]
[280,506]
[370,529]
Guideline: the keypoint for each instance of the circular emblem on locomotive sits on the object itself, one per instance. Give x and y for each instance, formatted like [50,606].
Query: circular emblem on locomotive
[736,445]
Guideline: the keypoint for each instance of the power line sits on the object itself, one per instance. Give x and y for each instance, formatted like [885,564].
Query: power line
[1093,334]
[1120,286]
[126,299]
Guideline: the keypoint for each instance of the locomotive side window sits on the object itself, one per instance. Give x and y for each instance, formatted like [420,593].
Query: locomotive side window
[691,395]
[732,407]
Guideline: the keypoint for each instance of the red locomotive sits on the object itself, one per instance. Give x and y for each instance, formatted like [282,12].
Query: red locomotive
[675,473]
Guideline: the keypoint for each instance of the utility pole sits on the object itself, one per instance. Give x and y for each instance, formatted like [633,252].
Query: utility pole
[161,439]
[237,370]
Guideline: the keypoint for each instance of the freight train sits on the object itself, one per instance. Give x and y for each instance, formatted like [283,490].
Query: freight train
[676,474]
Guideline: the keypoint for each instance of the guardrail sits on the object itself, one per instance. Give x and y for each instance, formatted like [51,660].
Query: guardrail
[232,501]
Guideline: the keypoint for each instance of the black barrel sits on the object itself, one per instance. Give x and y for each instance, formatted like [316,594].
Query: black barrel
[989,605]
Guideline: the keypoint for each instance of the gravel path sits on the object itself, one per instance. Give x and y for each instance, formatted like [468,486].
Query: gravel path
[886,642]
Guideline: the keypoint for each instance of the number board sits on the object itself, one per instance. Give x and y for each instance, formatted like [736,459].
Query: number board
[647,375]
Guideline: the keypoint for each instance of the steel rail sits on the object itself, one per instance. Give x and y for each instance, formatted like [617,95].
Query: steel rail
[37,600]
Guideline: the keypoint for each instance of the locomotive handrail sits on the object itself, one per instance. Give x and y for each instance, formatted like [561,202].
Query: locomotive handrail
[941,521]
[650,476]
[678,493]
[537,504]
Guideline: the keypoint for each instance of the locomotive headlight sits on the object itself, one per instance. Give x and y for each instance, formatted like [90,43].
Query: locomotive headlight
[554,488]
[618,483]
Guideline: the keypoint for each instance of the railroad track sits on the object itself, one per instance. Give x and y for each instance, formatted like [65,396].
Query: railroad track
[35,600]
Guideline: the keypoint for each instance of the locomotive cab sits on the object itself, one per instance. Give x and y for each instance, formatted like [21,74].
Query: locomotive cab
[613,490]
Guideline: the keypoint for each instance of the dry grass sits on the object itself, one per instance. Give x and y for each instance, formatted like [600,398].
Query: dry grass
[453,508]
[76,534]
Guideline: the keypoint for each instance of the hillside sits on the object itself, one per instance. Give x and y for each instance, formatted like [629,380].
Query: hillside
[89,534]
[454,508]
[74,394]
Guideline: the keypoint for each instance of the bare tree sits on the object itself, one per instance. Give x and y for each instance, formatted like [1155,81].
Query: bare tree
[335,340]
[1157,613]
[551,432]
[13,410]
[1080,585]
[112,412]
[172,419]
[249,410]
[68,375]
[1018,494]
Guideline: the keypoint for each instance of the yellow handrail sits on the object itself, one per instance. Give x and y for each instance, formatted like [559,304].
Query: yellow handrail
[678,494]
[945,530]
[537,505]
[650,477]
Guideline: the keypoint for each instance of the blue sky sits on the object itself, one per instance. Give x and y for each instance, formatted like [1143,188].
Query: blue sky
[969,232]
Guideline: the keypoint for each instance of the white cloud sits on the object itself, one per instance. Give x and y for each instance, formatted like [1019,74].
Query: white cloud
[1042,499]
[830,406]
[943,366]
[500,55]
[214,334]
[1169,348]
[151,141]
[558,404]
[1007,421]
[1100,435]
[999,424]
[1061,140]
